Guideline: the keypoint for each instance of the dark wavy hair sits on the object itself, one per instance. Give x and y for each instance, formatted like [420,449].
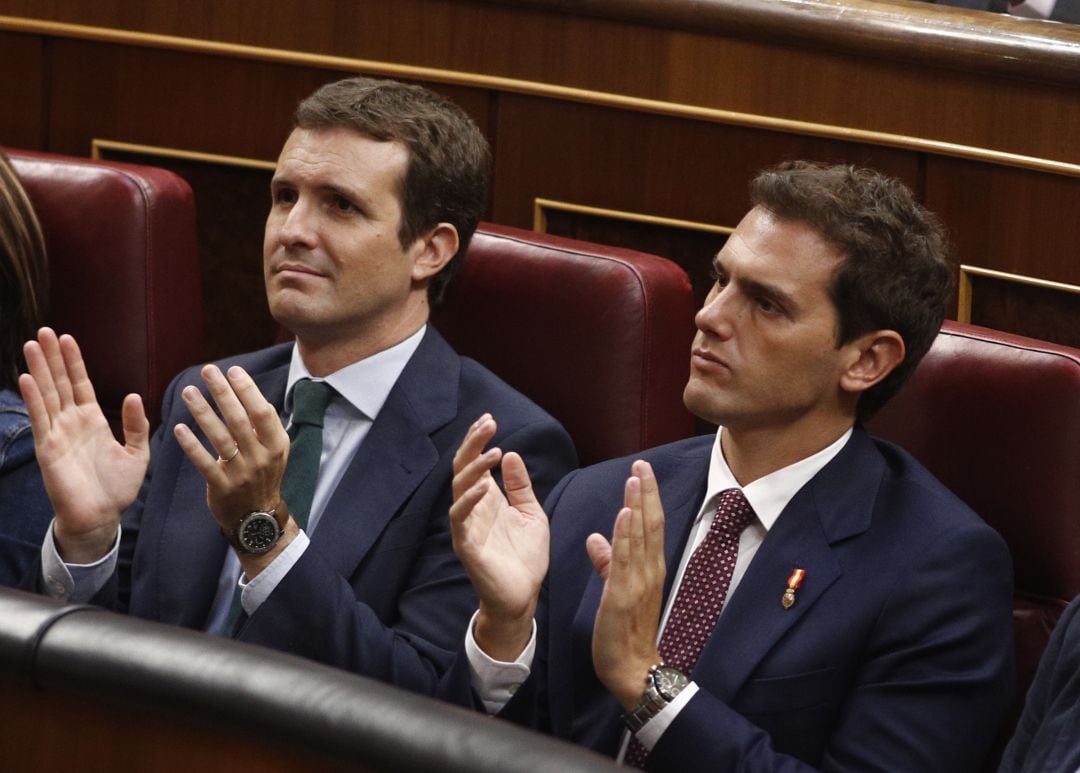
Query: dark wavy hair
[23,274]
[895,274]
[449,159]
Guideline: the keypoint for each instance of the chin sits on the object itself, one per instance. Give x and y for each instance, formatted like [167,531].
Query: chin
[702,401]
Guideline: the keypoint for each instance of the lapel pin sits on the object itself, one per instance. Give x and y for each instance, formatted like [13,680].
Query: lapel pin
[793,583]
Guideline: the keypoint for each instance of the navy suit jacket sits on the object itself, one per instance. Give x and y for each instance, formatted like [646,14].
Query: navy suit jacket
[1047,737]
[379,591]
[897,654]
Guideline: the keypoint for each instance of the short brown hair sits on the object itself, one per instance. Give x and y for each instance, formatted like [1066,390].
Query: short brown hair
[895,274]
[23,274]
[449,159]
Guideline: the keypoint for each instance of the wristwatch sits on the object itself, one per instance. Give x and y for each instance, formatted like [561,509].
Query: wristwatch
[256,533]
[661,686]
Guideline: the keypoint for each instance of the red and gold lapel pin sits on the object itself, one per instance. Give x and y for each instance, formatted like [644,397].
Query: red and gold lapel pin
[793,583]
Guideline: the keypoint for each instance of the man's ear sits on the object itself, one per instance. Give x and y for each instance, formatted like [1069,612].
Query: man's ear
[434,249]
[872,357]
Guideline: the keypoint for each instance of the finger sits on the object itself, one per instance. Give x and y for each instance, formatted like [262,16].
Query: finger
[652,510]
[464,505]
[599,550]
[632,502]
[35,407]
[232,410]
[516,481]
[261,414]
[38,366]
[221,439]
[478,435]
[54,358]
[201,459]
[619,568]
[135,424]
[477,469]
[81,387]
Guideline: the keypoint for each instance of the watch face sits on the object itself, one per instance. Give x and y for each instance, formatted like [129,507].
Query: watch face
[258,532]
[669,682]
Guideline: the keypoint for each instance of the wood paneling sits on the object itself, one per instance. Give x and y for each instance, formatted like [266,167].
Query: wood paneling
[48,731]
[649,164]
[23,81]
[674,106]
[1008,219]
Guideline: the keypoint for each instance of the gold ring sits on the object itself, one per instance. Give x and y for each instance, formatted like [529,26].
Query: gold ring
[232,456]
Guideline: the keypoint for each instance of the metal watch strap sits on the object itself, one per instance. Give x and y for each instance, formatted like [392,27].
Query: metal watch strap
[648,707]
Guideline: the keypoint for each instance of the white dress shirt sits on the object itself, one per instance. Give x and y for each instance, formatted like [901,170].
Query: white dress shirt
[361,391]
[495,682]
[1035,9]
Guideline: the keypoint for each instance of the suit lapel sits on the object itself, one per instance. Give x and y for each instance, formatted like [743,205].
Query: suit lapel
[834,505]
[395,457]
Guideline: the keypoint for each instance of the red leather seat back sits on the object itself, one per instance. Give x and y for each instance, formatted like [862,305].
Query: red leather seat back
[598,336]
[996,417]
[124,270]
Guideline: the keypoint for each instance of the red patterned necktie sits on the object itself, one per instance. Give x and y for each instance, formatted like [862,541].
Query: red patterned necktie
[701,594]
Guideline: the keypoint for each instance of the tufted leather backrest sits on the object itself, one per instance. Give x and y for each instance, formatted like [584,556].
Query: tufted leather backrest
[123,270]
[996,417]
[598,336]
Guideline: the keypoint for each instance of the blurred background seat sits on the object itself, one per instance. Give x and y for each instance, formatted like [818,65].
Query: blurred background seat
[124,270]
[996,417]
[597,336]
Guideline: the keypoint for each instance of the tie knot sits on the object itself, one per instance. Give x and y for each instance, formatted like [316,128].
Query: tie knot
[733,512]
[310,399]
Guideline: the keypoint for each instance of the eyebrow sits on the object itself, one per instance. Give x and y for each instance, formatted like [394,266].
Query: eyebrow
[331,188]
[781,297]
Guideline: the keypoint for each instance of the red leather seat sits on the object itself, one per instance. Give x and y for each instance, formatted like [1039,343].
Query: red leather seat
[598,336]
[124,270]
[996,417]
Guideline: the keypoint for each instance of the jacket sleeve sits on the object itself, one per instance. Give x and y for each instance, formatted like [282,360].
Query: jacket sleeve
[316,613]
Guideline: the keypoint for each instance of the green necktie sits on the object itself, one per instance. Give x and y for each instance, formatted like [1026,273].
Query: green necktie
[310,399]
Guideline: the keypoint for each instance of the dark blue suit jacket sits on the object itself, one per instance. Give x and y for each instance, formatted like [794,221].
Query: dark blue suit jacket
[1047,737]
[897,654]
[379,590]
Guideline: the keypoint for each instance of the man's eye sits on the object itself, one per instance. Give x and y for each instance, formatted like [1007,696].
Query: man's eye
[285,196]
[767,306]
[342,204]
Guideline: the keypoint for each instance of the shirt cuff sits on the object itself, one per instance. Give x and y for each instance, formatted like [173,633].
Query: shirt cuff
[75,583]
[254,592]
[651,731]
[496,681]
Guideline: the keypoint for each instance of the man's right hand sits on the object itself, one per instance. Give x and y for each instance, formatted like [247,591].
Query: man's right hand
[502,541]
[90,478]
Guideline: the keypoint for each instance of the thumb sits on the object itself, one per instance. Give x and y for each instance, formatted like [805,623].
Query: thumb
[136,426]
[599,550]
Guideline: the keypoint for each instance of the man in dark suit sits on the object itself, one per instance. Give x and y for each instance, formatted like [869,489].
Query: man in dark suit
[788,594]
[1047,738]
[376,194]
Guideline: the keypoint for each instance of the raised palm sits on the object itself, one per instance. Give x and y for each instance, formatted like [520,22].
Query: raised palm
[89,476]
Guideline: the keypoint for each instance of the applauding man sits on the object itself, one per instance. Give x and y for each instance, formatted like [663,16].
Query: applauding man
[330,538]
[790,593]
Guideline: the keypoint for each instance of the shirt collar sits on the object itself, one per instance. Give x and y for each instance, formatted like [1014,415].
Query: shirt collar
[770,494]
[365,384]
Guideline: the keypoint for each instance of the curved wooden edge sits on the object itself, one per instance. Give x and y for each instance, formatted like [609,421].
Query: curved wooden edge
[922,33]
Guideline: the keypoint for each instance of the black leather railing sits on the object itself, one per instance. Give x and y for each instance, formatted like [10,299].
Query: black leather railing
[334,719]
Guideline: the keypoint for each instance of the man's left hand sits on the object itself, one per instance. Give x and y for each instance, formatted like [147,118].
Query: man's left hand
[251,444]
[632,565]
